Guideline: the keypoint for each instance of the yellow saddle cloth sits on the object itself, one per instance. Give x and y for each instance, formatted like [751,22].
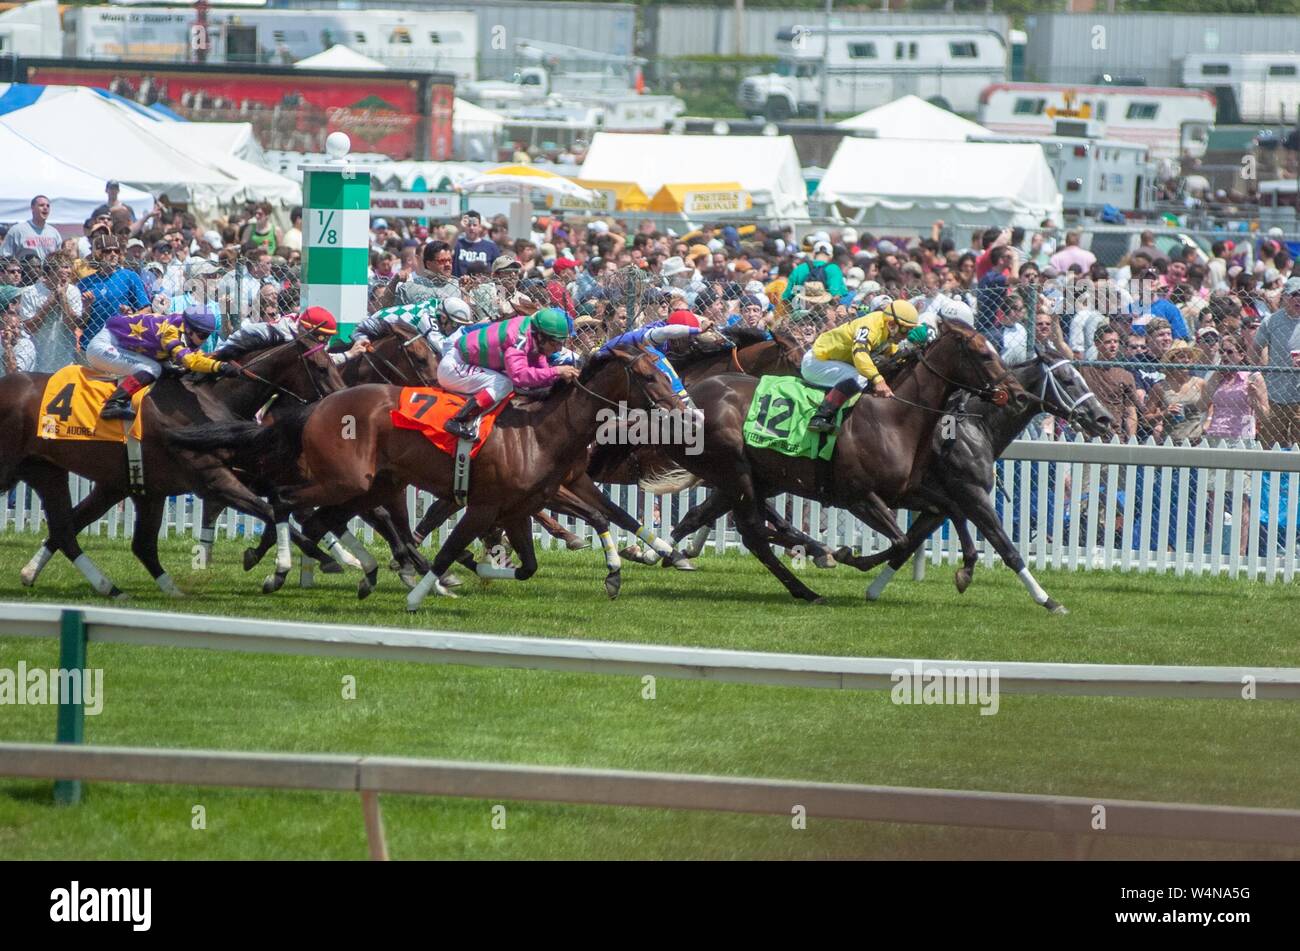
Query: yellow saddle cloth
[70,408]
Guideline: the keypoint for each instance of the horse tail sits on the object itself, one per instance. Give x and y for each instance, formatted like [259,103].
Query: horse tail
[668,481]
[271,448]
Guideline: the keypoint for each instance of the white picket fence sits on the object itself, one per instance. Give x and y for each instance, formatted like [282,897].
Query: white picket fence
[1066,505]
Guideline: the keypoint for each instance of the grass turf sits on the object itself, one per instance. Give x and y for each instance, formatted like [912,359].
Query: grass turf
[1200,751]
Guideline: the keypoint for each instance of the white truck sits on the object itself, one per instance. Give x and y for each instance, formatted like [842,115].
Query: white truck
[870,66]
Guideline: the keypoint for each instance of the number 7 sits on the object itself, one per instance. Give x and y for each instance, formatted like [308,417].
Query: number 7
[428,399]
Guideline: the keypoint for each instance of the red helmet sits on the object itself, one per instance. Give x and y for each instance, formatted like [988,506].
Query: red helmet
[318,320]
[684,318]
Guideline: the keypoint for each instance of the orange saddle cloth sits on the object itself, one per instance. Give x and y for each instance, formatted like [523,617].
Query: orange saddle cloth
[427,409]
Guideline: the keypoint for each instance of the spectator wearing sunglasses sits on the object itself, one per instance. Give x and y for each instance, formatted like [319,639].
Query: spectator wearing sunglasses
[110,289]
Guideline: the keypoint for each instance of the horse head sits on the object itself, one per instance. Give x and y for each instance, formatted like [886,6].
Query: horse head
[963,357]
[301,368]
[416,359]
[643,375]
[1052,380]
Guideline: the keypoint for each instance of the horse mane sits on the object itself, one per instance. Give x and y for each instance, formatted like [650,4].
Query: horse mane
[234,348]
[743,336]
[593,364]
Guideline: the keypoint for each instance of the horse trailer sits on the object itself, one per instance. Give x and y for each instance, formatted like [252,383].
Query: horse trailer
[868,67]
[1249,87]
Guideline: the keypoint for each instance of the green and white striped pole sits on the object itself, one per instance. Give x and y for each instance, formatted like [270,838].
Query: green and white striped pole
[336,235]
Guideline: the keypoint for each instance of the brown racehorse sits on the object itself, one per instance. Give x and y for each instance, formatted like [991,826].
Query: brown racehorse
[298,371]
[883,448]
[529,453]
[752,350]
[402,357]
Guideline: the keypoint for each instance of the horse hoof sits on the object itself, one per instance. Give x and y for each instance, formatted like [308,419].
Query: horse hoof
[394,565]
[367,584]
[273,583]
[819,600]
[679,561]
[331,568]
[28,577]
[577,544]
[825,561]
[1055,607]
[843,554]
[450,580]
[613,582]
[251,558]
[117,594]
[409,578]
[962,578]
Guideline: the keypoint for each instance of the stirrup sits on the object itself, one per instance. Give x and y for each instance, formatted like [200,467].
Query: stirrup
[463,430]
[111,411]
[822,424]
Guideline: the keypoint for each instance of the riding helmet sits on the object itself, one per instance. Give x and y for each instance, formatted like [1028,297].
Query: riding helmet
[318,320]
[553,322]
[902,312]
[685,318]
[457,311]
[199,320]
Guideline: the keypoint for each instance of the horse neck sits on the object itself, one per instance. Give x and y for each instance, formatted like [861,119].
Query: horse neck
[244,397]
[578,408]
[1005,423]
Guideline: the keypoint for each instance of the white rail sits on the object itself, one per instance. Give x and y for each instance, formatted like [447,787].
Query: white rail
[1073,816]
[151,628]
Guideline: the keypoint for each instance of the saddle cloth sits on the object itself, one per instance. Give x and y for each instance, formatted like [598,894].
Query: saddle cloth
[70,408]
[426,409]
[778,419]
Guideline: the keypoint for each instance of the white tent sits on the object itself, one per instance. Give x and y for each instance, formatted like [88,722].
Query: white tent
[907,183]
[911,117]
[233,139]
[112,140]
[766,166]
[339,56]
[92,132]
[73,192]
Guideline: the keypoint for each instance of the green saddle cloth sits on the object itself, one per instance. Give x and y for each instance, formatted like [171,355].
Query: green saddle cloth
[779,414]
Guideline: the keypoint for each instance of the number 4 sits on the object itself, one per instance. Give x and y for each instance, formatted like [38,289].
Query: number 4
[61,405]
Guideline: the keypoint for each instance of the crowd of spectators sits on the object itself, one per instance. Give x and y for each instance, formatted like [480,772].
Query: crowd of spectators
[1159,309]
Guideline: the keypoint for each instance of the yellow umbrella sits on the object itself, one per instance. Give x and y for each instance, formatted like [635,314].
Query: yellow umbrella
[526,177]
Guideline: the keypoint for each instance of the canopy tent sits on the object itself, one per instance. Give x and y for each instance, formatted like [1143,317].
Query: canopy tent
[911,117]
[627,196]
[900,182]
[691,198]
[73,192]
[766,166]
[113,139]
[339,56]
[233,139]
[525,178]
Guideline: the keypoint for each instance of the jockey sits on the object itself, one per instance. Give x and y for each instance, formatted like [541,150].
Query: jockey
[133,347]
[316,321]
[436,320]
[491,361]
[653,336]
[842,358]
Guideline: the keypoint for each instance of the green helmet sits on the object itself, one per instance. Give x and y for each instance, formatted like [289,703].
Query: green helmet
[554,323]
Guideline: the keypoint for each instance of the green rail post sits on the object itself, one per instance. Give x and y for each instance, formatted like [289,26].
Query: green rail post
[72,717]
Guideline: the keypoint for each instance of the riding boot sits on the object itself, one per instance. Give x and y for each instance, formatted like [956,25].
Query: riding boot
[118,406]
[823,421]
[464,425]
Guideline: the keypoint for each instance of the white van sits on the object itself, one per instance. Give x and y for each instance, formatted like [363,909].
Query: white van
[870,66]
[1249,87]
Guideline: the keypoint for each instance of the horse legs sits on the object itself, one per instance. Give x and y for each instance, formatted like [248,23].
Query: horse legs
[51,484]
[98,501]
[584,491]
[975,503]
[476,521]
[699,520]
[556,530]
[749,520]
[898,553]
[144,541]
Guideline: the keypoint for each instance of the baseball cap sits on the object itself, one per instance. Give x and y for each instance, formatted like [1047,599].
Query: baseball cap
[1292,286]
[134,243]
[822,247]
[564,264]
[213,240]
[887,247]
[505,262]
[378,223]
[598,226]
[105,242]
[1207,332]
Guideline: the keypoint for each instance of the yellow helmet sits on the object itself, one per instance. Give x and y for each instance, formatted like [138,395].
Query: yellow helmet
[901,312]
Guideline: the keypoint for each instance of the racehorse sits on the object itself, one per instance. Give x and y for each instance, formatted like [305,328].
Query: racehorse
[299,370]
[962,471]
[881,453]
[531,450]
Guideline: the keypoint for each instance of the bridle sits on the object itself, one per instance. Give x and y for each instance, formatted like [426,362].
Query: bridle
[627,371]
[303,356]
[1058,397]
[416,370]
[995,392]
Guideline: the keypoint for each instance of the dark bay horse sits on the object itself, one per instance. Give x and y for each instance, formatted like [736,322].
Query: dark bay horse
[958,482]
[529,453]
[881,453]
[298,371]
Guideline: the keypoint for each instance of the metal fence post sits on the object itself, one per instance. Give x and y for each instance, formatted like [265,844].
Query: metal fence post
[72,718]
